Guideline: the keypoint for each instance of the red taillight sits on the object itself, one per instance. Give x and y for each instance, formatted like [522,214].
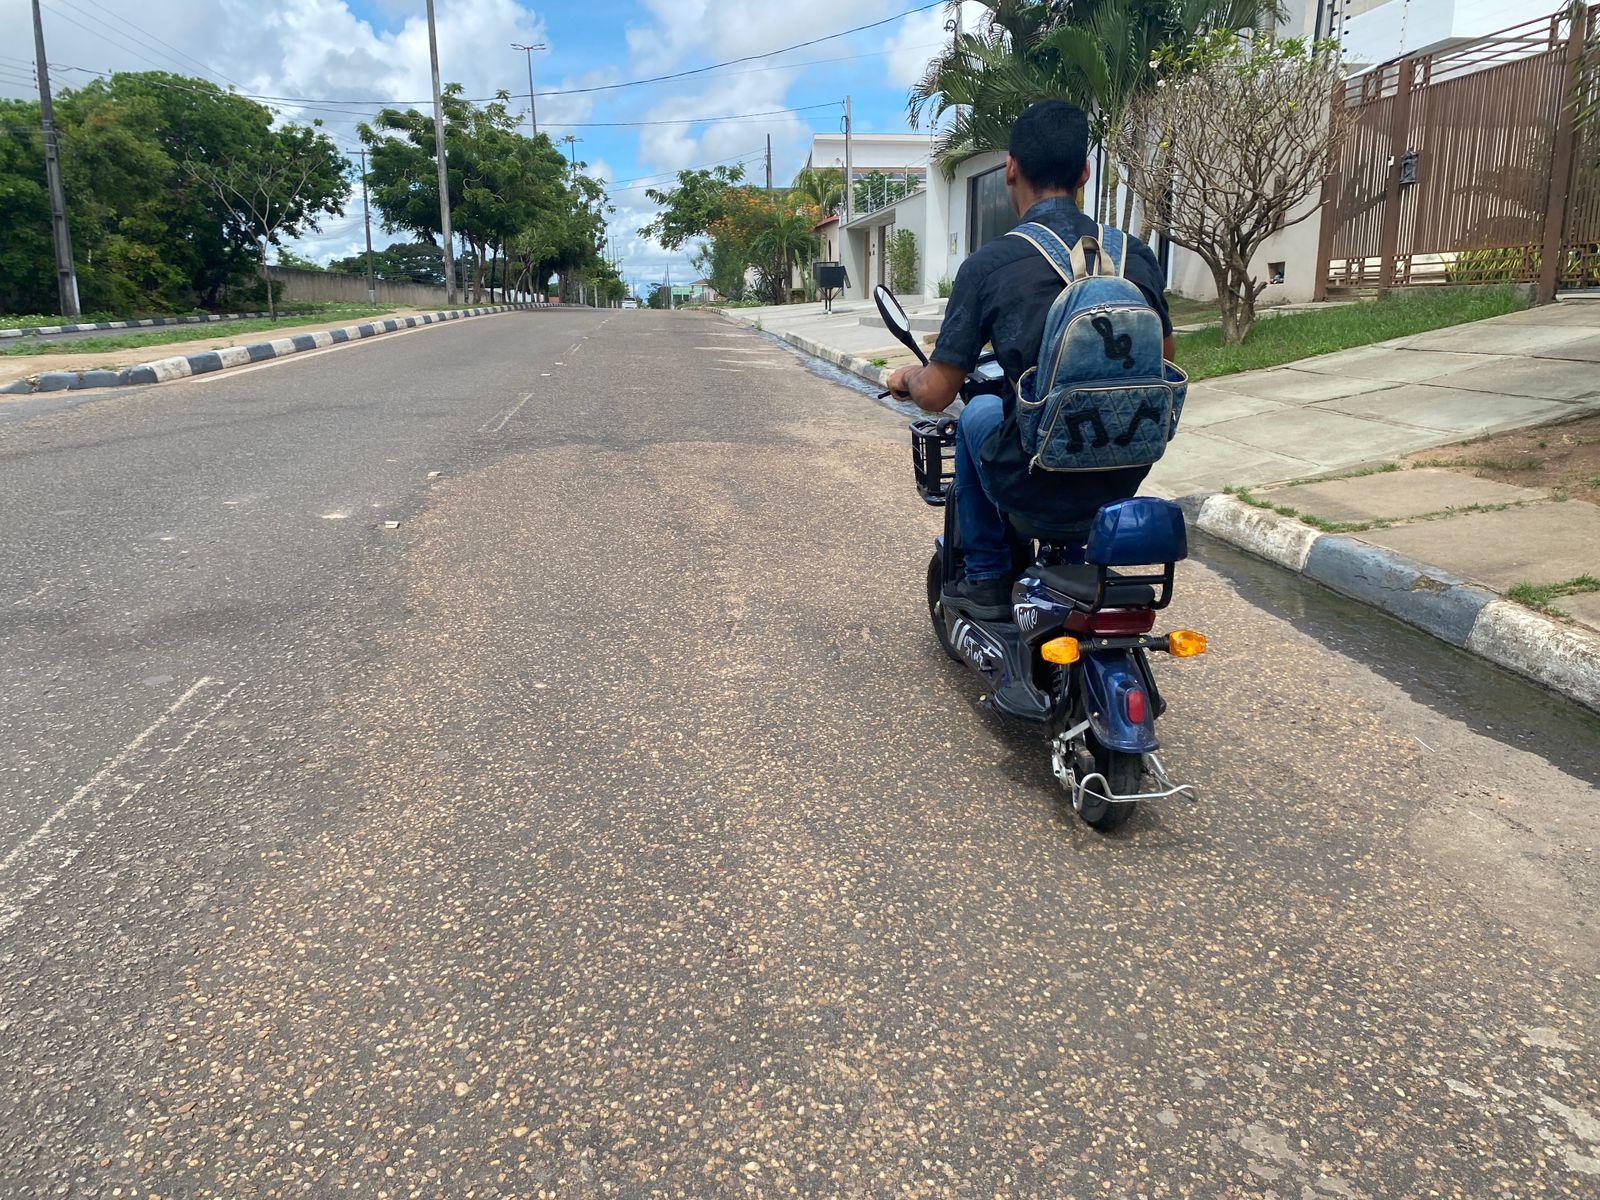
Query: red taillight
[1113,622]
[1135,705]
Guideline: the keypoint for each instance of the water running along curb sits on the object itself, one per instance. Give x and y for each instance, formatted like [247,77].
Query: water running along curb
[848,362]
[1561,657]
[185,365]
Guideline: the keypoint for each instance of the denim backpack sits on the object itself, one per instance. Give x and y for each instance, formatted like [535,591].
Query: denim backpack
[1101,397]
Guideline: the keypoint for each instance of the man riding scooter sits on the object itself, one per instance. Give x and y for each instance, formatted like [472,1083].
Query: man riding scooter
[1003,294]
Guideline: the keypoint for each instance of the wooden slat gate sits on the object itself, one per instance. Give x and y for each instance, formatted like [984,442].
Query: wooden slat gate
[1468,166]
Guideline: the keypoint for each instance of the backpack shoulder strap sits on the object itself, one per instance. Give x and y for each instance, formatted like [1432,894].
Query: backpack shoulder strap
[1113,251]
[1069,263]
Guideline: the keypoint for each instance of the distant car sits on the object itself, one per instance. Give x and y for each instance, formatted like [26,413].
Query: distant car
[630,303]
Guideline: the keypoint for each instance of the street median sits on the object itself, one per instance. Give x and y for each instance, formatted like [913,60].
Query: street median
[184,366]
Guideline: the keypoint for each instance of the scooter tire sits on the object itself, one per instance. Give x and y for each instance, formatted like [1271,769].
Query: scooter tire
[935,592]
[1124,774]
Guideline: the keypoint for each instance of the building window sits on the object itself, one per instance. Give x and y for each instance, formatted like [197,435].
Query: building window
[989,211]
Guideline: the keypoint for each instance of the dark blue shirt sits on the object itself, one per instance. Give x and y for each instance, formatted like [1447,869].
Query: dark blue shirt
[1002,296]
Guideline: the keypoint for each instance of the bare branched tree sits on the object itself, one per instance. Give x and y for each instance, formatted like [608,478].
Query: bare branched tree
[275,192]
[1231,148]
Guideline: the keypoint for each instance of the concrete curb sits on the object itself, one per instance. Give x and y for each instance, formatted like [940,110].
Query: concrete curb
[1561,657]
[183,366]
[878,376]
[142,323]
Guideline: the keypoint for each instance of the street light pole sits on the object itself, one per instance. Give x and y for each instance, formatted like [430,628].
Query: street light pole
[60,234]
[444,169]
[366,219]
[533,119]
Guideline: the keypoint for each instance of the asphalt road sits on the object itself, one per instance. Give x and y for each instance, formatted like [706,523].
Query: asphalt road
[613,827]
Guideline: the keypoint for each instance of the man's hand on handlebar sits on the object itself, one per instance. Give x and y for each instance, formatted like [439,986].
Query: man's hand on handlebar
[932,388]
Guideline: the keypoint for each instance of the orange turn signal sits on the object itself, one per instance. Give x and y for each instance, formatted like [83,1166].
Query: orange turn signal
[1185,643]
[1063,651]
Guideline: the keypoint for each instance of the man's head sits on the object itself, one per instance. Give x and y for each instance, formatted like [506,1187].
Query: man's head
[1049,153]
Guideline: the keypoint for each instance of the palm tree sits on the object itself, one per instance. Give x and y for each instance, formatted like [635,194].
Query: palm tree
[786,239]
[1096,54]
[820,187]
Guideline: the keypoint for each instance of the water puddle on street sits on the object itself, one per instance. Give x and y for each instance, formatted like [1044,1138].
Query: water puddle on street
[1450,681]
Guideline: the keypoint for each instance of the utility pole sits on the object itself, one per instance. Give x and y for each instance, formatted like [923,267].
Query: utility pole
[572,150]
[61,235]
[444,168]
[533,119]
[366,218]
[769,162]
[849,165]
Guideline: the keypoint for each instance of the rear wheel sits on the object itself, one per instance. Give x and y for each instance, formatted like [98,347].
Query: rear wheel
[1124,774]
[936,604]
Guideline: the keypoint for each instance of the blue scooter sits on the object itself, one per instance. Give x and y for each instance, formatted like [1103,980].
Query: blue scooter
[1075,655]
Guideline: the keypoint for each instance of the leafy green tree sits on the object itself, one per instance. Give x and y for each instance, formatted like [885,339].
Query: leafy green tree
[511,197]
[147,234]
[402,262]
[297,262]
[690,208]
[276,188]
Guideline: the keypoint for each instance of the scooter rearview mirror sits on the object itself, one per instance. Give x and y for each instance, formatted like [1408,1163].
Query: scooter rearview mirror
[895,318]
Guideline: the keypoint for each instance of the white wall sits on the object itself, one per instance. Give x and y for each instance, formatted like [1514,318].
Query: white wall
[1400,27]
[953,235]
[1295,247]
[871,152]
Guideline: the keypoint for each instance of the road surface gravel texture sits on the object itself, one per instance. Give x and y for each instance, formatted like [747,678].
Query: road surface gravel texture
[512,759]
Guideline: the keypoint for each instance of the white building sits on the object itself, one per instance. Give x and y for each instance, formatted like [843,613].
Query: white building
[953,217]
[1375,31]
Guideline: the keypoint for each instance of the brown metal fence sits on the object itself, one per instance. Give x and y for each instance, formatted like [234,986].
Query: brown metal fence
[1460,166]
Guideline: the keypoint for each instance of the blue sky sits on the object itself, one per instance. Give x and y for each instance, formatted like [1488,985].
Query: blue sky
[344,53]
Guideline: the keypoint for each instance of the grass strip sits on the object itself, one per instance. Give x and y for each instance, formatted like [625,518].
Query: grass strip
[1272,343]
[169,334]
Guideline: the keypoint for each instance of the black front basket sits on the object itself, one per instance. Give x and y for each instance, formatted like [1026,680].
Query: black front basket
[933,441]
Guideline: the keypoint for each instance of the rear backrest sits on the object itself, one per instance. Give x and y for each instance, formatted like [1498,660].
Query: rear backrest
[1133,532]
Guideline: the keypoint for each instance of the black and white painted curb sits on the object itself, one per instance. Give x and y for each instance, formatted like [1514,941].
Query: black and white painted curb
[1564,658]
[184,365]
[153,322]
[142,323]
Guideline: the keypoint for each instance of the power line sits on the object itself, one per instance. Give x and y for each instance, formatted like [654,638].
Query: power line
[71,20]
[608,87]
[776,112]
[605,87]
[146,37]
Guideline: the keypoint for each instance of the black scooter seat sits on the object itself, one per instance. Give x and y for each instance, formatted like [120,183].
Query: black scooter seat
[1079,581]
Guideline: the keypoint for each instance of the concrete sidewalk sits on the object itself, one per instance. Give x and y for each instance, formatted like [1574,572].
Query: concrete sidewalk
[1316,416]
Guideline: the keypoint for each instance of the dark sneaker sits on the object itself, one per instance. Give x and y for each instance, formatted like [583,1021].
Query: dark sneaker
[986,599]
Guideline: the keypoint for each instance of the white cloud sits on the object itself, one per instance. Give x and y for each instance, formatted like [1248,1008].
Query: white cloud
[917,39]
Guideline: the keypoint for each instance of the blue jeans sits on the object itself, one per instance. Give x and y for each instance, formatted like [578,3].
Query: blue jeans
[984,548]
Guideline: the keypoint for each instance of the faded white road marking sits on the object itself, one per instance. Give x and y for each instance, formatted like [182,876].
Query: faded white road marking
[38,861]
[496,424]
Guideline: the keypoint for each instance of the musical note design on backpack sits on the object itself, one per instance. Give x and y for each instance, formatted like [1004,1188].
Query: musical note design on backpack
[1116,346]
[1147,412]
[1075,424]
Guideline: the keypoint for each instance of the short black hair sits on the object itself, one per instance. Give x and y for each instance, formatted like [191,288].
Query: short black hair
[1051,145]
